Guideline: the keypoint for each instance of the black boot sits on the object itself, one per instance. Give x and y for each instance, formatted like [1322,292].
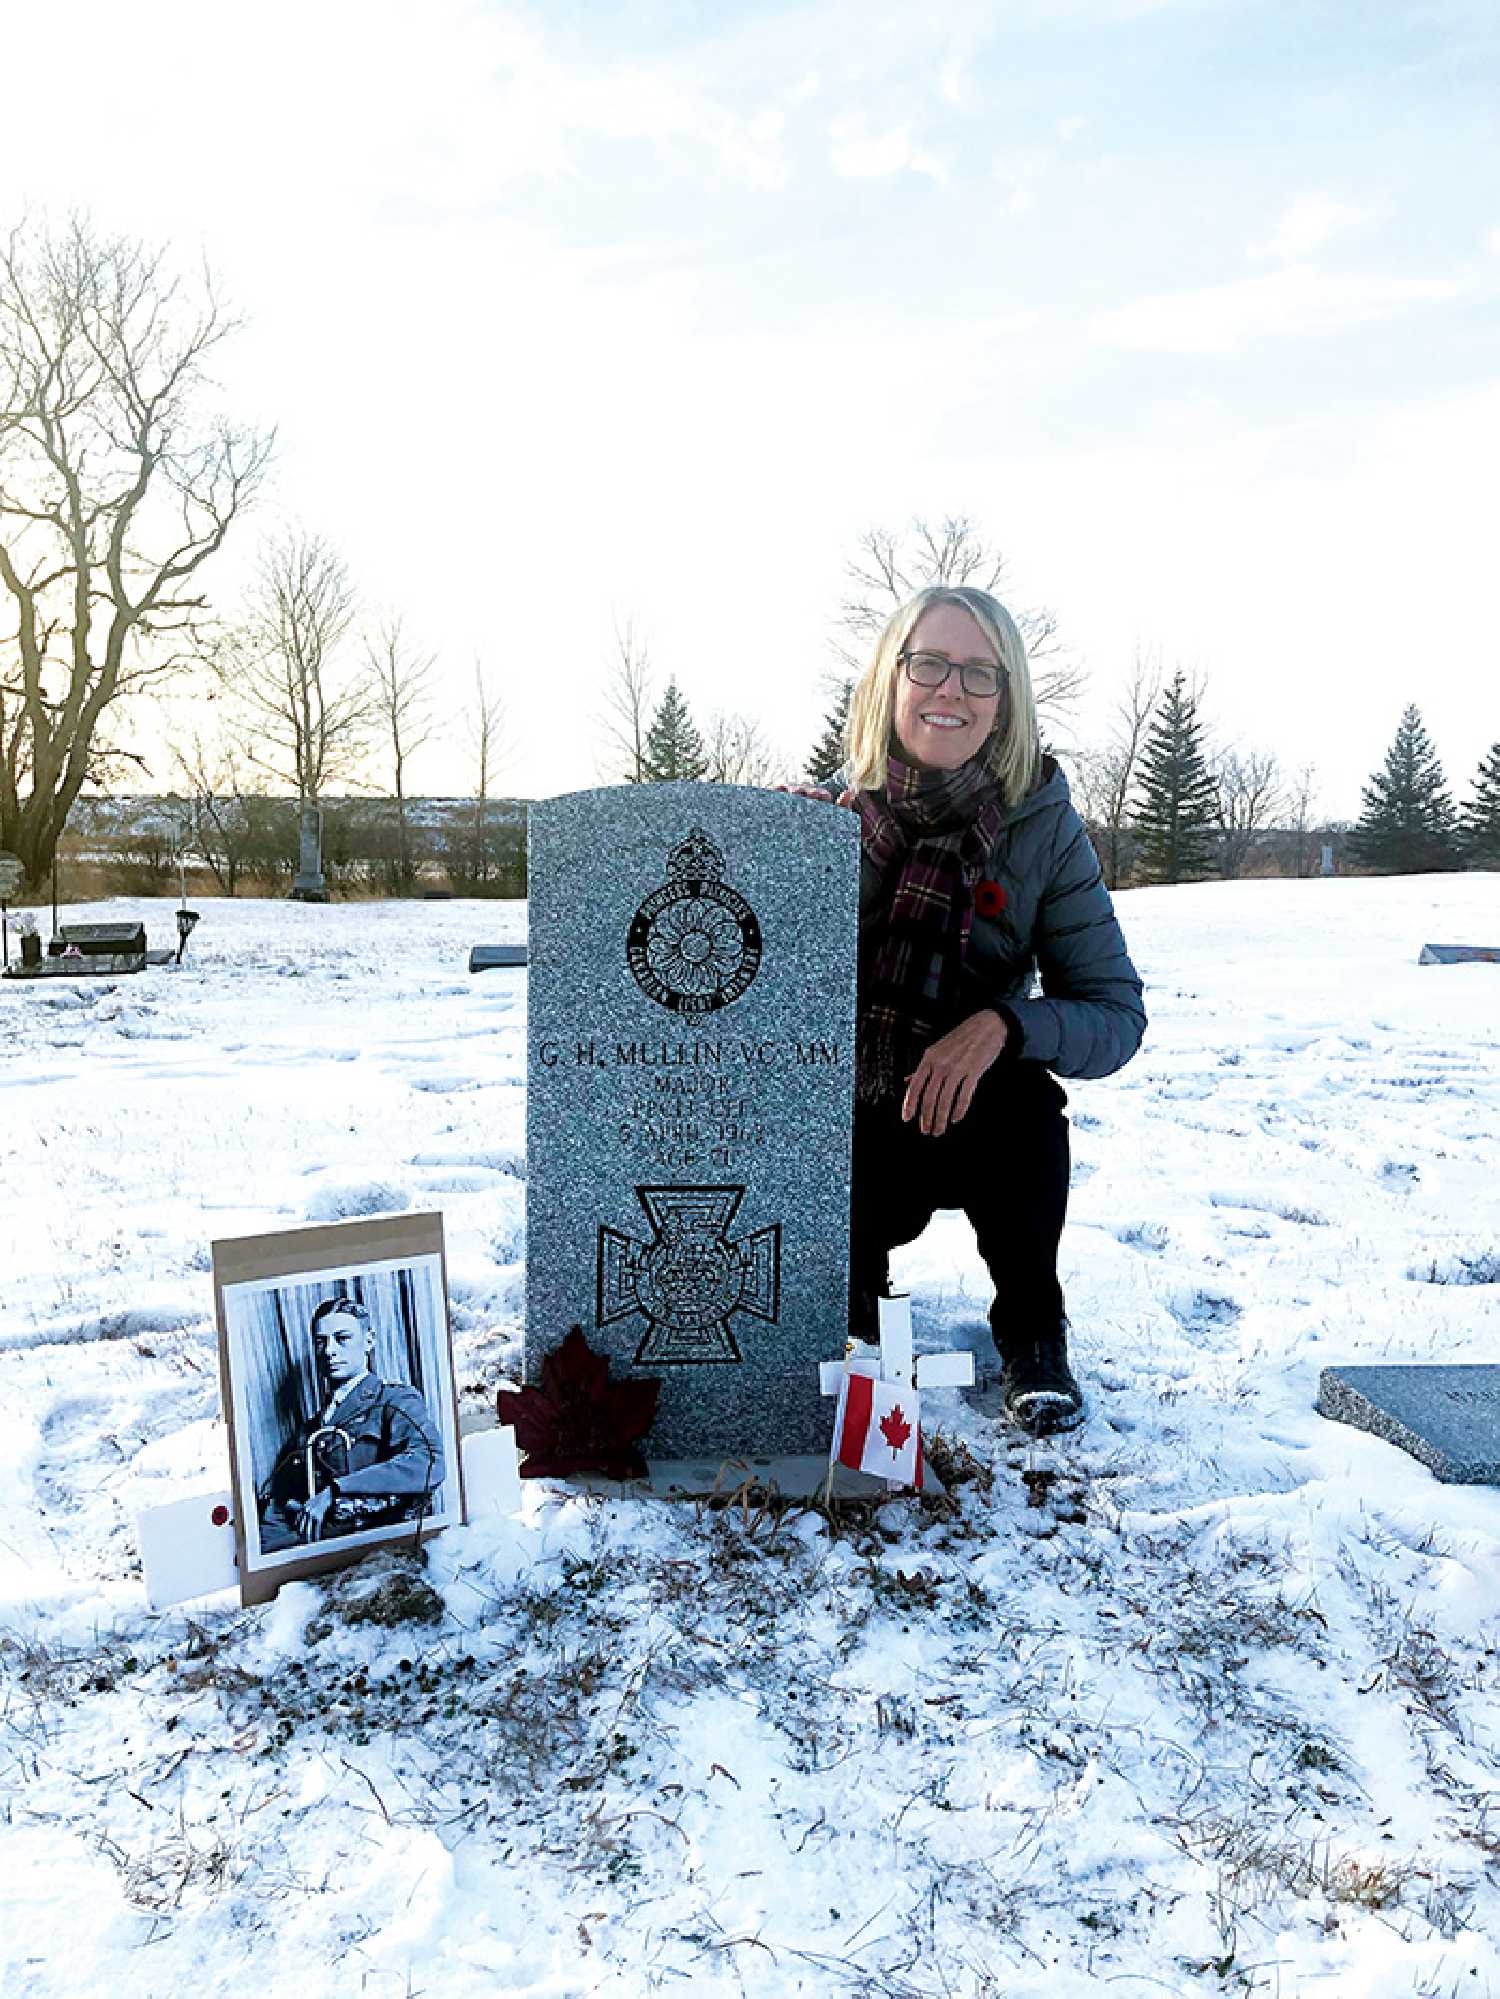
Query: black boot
[1038,1392]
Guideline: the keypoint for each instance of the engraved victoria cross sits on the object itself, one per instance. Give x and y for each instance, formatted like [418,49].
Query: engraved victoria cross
[690,1279]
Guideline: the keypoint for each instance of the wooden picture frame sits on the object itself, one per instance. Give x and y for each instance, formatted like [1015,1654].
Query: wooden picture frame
[388,1276]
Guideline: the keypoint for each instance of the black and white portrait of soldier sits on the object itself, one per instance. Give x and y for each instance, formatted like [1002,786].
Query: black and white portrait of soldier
[371,1456]
[343,1397]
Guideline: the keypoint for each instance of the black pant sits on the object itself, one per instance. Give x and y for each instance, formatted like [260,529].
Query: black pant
[1005,1164]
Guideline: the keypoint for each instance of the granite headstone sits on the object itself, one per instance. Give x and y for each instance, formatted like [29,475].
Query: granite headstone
[1448,1417]
[690,1091]
[308,884]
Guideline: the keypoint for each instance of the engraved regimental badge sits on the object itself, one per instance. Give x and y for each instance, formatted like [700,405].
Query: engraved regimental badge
[692,1278]
[694,944]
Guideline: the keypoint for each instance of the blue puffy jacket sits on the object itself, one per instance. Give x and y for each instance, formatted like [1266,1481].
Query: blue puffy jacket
[1058,925]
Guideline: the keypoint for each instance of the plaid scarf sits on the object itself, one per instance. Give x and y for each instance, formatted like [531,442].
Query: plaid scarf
[932,831]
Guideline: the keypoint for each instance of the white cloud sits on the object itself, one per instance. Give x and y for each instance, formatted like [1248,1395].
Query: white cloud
[953,85]
[1018,171]
[1298,302]
[1304,226]
[1070,127]
[857,155]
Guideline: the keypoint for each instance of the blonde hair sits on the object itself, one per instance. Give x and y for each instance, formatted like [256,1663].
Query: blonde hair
[1012,751]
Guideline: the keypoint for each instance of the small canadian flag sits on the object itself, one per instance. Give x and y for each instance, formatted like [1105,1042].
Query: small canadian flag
[878,1429]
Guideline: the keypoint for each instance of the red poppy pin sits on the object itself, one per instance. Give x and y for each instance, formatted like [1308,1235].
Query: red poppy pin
[989,899]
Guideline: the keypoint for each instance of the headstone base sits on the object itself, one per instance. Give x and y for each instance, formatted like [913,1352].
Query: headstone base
[312,892]
[1448,1418]
[790,1477]
[100,966]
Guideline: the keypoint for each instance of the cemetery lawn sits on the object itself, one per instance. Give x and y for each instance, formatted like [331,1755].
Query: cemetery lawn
[1200,1699]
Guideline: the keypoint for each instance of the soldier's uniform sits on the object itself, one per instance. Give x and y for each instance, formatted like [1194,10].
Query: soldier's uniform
[382,1456]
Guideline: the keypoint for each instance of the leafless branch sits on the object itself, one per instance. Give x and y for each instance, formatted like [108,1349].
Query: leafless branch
[116,489]
[312,714]
[738,752]
[1250,796]
[889,568]
[628,690]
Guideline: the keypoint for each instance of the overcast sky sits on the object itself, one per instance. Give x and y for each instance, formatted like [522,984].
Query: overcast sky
[578,313]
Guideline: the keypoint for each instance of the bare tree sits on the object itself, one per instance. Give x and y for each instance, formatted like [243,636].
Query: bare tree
[738,752]
[308,717]
[484,722]
[1249,791]
[1302,796]
[628,690]
[115,490]
[1107,776]
[218,801]
[890,568]
[401,691]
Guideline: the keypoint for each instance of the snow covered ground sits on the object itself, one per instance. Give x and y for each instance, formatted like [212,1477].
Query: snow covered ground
[1200,1699]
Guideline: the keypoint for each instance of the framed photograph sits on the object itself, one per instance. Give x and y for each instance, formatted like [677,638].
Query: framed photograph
[336,1360]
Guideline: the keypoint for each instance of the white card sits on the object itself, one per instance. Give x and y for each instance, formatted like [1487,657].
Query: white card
[187,1548]
[492,1471]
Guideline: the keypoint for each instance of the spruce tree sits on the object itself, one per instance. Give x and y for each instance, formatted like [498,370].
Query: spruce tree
[1481,815]
[1408,826]
[1177,802]
[828,753]
[674,748]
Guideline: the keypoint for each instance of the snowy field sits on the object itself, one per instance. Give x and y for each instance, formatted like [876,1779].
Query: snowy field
[1200,1699]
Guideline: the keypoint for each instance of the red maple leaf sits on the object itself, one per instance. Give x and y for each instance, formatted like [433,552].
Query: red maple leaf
[895,1429]
[577,1419]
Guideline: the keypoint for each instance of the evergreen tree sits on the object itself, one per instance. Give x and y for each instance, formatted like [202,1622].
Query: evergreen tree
[1408,826]
[1178,800]
[674,748]
[1481,815]
[828,753]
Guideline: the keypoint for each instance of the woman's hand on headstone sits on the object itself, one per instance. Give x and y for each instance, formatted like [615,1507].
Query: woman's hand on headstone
[848,799]
[942,1085]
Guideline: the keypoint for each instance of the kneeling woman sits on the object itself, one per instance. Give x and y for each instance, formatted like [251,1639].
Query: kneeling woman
[977,874]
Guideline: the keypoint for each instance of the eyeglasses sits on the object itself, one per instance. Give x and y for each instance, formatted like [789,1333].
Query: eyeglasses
[931,669]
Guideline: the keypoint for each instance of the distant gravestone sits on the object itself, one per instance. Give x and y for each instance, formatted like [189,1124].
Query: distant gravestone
[496,957]
[691,1024]
[1448,1417]
[308,884]
[1459,954]
[1327,858]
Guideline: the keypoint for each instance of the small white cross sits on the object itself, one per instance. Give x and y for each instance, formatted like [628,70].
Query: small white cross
[897,1362]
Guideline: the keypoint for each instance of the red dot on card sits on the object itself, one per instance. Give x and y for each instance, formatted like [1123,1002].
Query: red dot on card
[220,1516]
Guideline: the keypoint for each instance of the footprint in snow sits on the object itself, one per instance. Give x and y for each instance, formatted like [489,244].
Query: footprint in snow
[337,1200]
[462,1180]
[1151,1238]
[1196,1311]
[1479,1263]
[77,1413]
[499,1159]
[1252,1203]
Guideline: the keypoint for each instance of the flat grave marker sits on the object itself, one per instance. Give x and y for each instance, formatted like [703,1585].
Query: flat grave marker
[1459,954]
[1446,1417]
